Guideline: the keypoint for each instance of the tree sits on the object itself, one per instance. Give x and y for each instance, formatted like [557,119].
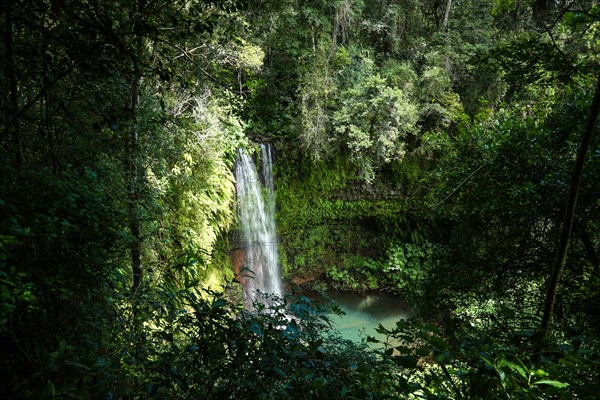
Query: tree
[374,121]
[447,14]
[569,215]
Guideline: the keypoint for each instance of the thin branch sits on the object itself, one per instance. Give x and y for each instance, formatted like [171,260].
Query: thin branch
[562,53]
[462,183]
[185,53]
[449,377]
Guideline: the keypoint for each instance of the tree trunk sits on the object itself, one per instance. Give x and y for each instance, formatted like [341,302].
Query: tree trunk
[447,14]
[588,245]
[136,177]
[13,86]
[539,7]
[568,219]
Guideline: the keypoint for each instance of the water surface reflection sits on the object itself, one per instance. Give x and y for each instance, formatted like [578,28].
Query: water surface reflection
[364,312]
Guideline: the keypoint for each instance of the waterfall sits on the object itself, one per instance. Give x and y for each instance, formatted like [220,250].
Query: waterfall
[256,207]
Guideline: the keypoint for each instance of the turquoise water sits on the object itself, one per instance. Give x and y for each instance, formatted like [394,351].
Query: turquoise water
[364,312]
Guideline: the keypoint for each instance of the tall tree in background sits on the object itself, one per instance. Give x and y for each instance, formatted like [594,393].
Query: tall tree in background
[447,14]
[569,215]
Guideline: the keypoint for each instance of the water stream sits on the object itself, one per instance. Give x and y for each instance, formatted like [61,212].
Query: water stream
[256,207]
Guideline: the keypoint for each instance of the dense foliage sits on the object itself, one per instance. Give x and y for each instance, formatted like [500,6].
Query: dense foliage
[424,148]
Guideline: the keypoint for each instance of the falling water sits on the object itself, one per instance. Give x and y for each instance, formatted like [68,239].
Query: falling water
[256,206]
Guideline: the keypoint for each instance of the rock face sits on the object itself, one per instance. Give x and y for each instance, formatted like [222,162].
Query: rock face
[238,260]
[301,280]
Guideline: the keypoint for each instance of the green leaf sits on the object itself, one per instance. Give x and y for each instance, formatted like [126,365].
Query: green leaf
[219,303]
[438,343]
[406,361]
[403,349]
[515,367]
[556,384]
[382,330]
[443,357]
[371,339]
[318,383]
[423,351]
[487,361]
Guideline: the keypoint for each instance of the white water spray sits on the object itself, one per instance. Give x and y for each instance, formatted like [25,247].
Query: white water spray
[256,207]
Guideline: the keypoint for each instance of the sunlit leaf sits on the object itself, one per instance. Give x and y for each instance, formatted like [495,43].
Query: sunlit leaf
[552,383]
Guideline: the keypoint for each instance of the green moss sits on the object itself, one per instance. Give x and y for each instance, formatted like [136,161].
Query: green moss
[330,225]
